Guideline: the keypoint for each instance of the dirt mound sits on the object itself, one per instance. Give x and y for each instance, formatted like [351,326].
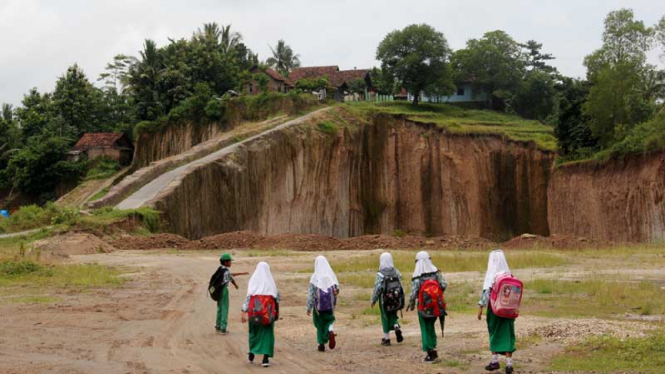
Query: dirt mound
[570,332]
[238,239]
[528,241]
[62,246]
[314,242]
[158,241]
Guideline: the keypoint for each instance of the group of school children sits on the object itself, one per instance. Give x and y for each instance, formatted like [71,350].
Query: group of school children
[261,306]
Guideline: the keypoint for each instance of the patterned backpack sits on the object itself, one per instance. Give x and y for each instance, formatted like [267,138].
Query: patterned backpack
[262,310]
[430,299]
[506,296]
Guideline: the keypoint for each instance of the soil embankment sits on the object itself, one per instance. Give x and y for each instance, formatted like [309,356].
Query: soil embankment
[619,200]
[386,175]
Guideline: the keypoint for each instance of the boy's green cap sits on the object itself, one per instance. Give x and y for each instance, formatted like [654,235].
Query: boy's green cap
[226,257]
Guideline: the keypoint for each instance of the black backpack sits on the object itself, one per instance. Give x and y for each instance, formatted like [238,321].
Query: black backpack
[216,284]
[393,293]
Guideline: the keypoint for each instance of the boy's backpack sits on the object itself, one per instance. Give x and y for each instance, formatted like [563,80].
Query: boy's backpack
[262,310]
[506,296]
[324,301]
[393,293]
[216,284]
[430,299]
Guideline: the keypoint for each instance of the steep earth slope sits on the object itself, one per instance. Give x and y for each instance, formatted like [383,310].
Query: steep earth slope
[389,174]
[619,200]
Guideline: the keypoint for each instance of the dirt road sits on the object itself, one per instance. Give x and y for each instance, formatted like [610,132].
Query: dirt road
[150,190]
[161,321]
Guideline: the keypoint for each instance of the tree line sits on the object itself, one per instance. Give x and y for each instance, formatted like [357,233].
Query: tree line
[617,108]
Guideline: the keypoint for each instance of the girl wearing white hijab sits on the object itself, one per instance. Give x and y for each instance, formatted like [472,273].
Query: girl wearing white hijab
[261,338]
[323,280]
[389,320]
[425,270]
[501,330]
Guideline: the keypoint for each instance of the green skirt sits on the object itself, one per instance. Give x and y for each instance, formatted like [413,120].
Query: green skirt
[502,332]
[428,332]
[388,319]
[322,322]
[262,339]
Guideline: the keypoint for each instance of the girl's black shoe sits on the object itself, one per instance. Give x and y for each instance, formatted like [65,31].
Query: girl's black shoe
[331,340]
[431,357]
[266,361]
[385,342]
[398,334]
[321,348]
[250,357]
[492,366]
[509,370]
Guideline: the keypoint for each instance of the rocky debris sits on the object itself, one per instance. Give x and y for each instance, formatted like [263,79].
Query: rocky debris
[299,242]
[157,241]
[238,239]
[572,332]
[529,241]
[60,247]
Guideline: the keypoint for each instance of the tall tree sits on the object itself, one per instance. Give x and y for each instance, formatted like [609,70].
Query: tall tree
[77,101]
[660,36]
[494,64]
[625,40]
[283,59]
[418,57]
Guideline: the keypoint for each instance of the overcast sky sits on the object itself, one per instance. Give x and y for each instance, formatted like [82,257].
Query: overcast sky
[41,38]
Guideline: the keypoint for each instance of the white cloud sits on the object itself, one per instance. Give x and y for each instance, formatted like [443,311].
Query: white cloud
[41,38]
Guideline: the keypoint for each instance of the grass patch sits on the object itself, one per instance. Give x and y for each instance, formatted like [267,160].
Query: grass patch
[597,297]
[327,127]
[29,217]
[466,121]
[447,262]
[609,354]
[100,194]
[103,217]
[29,273]
[456,364]
[103,168]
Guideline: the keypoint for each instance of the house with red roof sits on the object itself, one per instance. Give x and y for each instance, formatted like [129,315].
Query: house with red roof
[277,83]
[339,79]
[113,145]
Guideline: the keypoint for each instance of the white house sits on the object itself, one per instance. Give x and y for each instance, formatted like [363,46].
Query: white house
[464,94]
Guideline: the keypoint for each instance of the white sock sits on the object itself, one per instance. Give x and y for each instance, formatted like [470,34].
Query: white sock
[495,359]
[330,328]
[387,336]
[396,327]
[509,361]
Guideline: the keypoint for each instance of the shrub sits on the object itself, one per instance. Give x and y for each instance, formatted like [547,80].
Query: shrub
[18,268]
[29,217]
[327,127]
[103,168]
[67,216]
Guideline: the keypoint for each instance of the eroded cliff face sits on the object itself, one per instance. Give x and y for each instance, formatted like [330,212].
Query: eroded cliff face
[620,200]
[383,176]
[177,138]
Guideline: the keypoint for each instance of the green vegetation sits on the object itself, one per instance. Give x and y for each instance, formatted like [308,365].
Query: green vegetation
[466,121]
[611,354]
[327,127]
[100,194]
[283,58]
[29,217]
[103,168]
[103,217]
[597,296]
[28,273]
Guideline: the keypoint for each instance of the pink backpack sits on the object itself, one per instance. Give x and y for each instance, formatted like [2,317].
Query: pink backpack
[506,296]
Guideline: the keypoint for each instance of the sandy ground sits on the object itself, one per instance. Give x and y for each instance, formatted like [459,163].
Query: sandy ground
[161,321]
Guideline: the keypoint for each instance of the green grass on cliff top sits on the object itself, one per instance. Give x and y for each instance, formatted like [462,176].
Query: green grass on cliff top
[467,121]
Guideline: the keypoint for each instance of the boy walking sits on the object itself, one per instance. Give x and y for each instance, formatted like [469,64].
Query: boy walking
[223,302]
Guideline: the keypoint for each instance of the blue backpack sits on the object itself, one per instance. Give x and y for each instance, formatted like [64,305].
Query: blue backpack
[324,301]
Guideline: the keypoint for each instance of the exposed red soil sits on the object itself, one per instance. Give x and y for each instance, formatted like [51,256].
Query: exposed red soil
[151,242]
[298,242]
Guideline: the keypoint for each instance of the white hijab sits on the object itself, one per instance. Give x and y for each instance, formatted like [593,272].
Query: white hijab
[261,282]
[386,262]
[496,265]
[324,277]
[424,265]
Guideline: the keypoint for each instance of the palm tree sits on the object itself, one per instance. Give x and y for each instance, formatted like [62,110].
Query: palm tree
[210,33]
[229,39]
[283,59]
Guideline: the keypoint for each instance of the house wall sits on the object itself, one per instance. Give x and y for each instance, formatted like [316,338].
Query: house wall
[467,97]
[273,86]
[120,155]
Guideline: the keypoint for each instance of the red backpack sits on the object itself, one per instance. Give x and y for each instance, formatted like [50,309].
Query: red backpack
[430,299]
[506,296]
[262,310]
